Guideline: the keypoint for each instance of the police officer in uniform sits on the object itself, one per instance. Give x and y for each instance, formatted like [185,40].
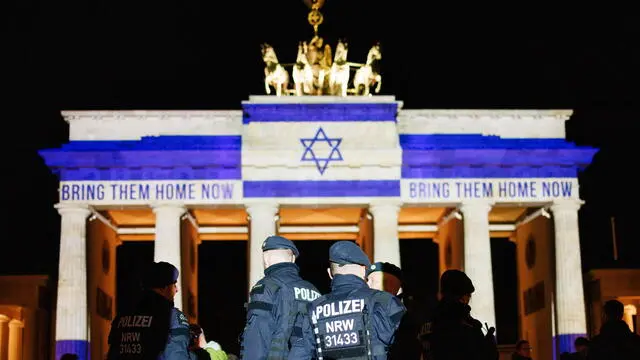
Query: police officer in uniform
[277,306]
[353,321]
[388,277]
[153,329]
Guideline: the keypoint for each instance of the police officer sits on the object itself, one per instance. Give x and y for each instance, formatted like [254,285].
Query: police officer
[388,277]
[153,329]
[353,321]
[277,306]
[385,276]
[453,334]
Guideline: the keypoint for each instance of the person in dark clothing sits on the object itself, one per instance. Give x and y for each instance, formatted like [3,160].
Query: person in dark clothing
[407,346]
[353,321]
[388,277]
[153,329]
[277,306]
[615,340]
[523,351]
[453,333]
[582,347]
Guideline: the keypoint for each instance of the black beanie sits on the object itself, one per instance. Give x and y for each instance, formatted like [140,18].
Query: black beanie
[456,283]
[386,267]
[159,275]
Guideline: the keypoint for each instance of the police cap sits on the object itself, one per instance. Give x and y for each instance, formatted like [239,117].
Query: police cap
[347,252]
[455,282]
[278,242]
[385,267]
[159,275]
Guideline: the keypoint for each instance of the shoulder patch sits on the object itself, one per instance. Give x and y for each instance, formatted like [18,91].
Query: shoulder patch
[182,318]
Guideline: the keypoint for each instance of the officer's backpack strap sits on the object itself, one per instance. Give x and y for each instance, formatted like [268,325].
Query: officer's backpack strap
[268,285]
[280,346]
[299,310]
[280,342]
[366,319]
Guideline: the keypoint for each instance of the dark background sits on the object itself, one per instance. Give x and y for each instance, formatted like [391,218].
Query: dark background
[206,55]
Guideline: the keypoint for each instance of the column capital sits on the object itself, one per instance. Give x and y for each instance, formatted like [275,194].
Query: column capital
[476,205]
[15,323]
[162,206]
[3,318]
[385,205]
[253,207]
[561,205]
[73,208]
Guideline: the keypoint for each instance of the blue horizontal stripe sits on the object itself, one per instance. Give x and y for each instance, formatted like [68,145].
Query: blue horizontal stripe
[497,157]
[150,158]
[198,142]
[219,157]
[319,112]
[338,188]
[178,173]
[77,347]
[467,172]
[475,141]
[565,343]
[141,159]
[101,174]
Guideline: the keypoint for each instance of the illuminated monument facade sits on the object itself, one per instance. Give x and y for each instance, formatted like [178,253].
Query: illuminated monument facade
[328,167]
[322,167]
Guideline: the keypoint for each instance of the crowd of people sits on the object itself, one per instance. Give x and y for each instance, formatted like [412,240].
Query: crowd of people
[362,317]
[614,341]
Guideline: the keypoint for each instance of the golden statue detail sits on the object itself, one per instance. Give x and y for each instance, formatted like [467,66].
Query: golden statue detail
[366,76]
[315,71]
[340,71]
[319,57]
[274,74]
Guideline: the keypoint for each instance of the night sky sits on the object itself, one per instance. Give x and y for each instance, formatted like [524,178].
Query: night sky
[206,55]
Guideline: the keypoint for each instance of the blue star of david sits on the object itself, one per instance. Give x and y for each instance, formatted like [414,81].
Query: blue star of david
[320,157]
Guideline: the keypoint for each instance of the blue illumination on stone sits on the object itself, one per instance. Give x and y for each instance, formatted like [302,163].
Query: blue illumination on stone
[319,112]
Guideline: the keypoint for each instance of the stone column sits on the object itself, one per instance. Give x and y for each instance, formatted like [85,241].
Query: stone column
[477,258]
[262,225]
[570,308]
[15,340]
[167,244]
[386,245]
[71,307]
[4,336]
